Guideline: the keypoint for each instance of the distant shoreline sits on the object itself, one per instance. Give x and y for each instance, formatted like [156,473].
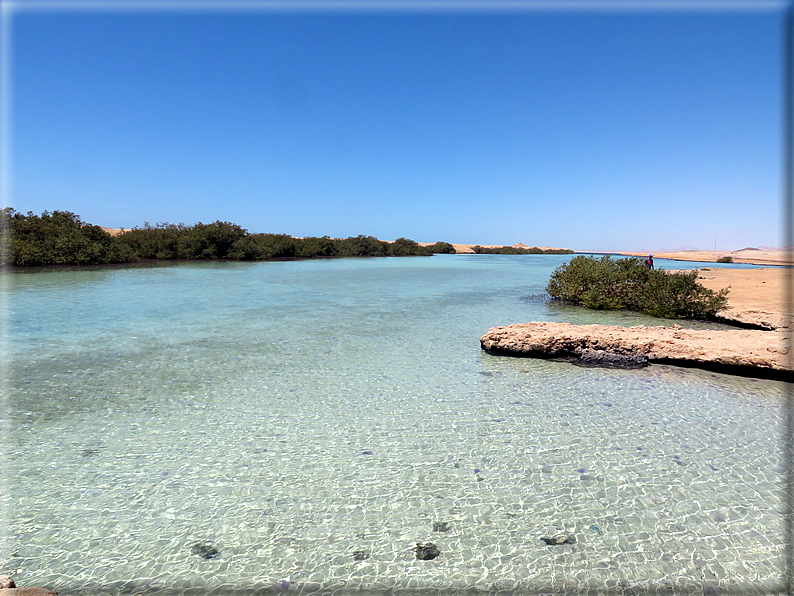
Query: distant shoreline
[749,256]
[468,249]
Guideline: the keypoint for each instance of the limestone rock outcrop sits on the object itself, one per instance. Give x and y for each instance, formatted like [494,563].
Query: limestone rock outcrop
[753,318]
[741,351]
[9,588]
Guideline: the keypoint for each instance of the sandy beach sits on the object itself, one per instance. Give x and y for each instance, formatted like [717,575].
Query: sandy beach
[754,256]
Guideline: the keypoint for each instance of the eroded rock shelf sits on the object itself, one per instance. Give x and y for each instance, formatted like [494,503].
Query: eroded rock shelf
[762,354]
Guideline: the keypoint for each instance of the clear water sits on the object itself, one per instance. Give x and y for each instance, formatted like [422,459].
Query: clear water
[312,421]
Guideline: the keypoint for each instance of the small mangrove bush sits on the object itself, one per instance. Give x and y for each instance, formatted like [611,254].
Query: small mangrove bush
[614,284]
[57,238]
[441,248]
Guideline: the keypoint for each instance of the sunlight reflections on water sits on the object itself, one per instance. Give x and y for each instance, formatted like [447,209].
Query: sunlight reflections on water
[313,421]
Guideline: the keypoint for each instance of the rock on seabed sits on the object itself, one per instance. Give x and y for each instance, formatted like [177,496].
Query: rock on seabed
[740,351]
[9,588]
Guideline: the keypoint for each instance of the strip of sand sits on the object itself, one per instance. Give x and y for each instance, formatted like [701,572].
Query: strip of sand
[754,256]
[756,296]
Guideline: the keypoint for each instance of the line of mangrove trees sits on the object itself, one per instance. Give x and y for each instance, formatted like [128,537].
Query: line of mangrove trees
[517,250]
[62,238]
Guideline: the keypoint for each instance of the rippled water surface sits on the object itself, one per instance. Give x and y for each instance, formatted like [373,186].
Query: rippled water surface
[298,427]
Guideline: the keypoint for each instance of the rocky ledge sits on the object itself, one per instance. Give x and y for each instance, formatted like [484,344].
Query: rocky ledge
[745,352]
[9,588]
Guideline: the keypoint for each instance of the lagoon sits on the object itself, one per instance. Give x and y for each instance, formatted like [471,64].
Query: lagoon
[313,421]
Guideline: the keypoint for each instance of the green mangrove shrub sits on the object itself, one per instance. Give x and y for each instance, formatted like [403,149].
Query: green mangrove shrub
[362,246]
[615,284]
[442,248]
[57,238]
[403,247]
[178,241]
[160,241]
[316,247]
[725,260]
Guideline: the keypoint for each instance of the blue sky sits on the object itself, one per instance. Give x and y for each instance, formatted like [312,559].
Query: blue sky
[594,129]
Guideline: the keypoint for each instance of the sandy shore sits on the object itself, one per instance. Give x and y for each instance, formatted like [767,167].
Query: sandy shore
[753,256]
[762,256]
[756,295]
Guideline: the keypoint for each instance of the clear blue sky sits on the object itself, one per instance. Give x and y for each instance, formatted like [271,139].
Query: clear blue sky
[597,129]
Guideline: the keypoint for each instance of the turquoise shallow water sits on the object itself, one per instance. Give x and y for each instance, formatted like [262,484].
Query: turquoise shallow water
[312,421]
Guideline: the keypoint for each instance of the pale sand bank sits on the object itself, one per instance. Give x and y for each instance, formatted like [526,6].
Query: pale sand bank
[747,255]
[756,295]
